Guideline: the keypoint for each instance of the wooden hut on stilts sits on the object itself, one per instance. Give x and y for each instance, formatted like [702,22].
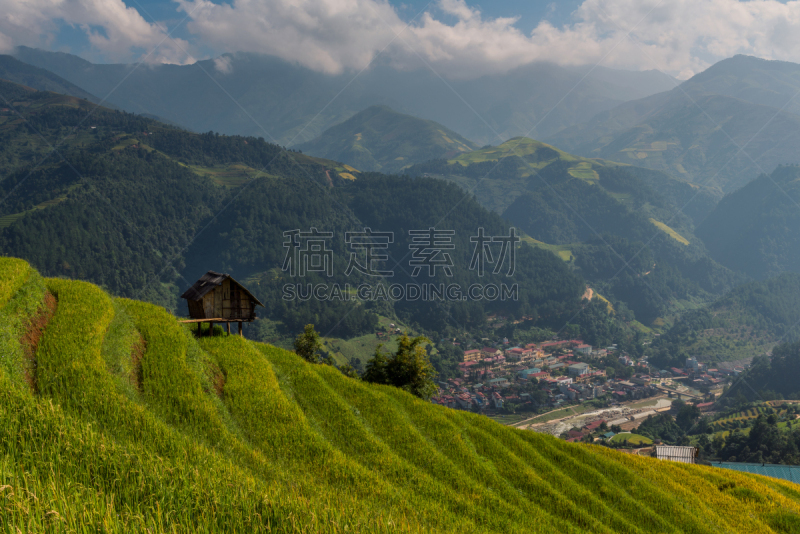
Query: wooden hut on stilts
[218,298]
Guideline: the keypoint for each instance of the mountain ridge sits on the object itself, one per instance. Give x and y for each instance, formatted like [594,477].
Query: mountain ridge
[289,104]
[380,139]
[720,128]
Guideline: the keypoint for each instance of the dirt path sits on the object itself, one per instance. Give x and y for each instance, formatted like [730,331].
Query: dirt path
[541,415]
[32,336]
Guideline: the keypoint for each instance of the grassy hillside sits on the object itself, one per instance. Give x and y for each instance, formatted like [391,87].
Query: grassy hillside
[134,425]
[497,175]
[380,139]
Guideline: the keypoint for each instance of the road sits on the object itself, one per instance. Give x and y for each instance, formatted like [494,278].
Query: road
[681,393]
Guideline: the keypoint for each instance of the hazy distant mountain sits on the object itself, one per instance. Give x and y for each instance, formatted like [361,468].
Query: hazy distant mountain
[756,80]
[16,71]
[380,139]
[756,229]
[292,104]
[720,128]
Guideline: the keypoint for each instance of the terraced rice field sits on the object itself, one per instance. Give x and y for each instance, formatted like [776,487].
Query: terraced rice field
[746,415]
[137,426]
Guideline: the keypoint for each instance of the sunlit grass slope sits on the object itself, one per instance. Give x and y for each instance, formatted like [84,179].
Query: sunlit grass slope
[136,426]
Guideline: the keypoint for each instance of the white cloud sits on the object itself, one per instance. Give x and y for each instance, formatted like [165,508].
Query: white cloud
[113,29]
[223,64]
[326,35]
[681,37]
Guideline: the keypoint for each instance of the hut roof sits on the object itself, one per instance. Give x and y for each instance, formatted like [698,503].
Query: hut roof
[208,282]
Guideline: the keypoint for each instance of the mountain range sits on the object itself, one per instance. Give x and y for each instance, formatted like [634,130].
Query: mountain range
[142,207]
[652,242]
[263,96]
[720,129]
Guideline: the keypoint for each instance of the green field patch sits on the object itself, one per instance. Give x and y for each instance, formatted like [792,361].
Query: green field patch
[8,220]
[584,171]
[669,231]
[130,142]
[745,415]
[562,251]
[518,146]
[640,327]
[609,306]
[632,439]
[232,175]
[363,347]
[558,414]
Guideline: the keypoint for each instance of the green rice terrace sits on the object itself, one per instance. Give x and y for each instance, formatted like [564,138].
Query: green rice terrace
[115,418]
[746,416]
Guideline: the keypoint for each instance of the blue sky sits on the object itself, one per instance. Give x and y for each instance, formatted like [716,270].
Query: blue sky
[529,13]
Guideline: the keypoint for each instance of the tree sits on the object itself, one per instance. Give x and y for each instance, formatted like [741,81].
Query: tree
[307,345]
[376,368]
[687,414]
[408,369]
[349,371]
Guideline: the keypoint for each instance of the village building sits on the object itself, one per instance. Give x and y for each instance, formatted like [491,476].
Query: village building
[472,355]
[578,369]
[675,453]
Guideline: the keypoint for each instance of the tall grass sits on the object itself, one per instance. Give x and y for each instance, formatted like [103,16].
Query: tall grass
[13,273]
[26,301]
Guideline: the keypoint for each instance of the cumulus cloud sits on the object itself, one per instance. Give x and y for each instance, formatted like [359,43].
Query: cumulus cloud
[679,36]
[113,29]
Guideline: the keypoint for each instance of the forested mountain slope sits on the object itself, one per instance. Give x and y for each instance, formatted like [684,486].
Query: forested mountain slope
[380,139]
[14,70]
[756,229]
[118,418]
[629,230]
[747,321]
[769,377]
[144,209]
